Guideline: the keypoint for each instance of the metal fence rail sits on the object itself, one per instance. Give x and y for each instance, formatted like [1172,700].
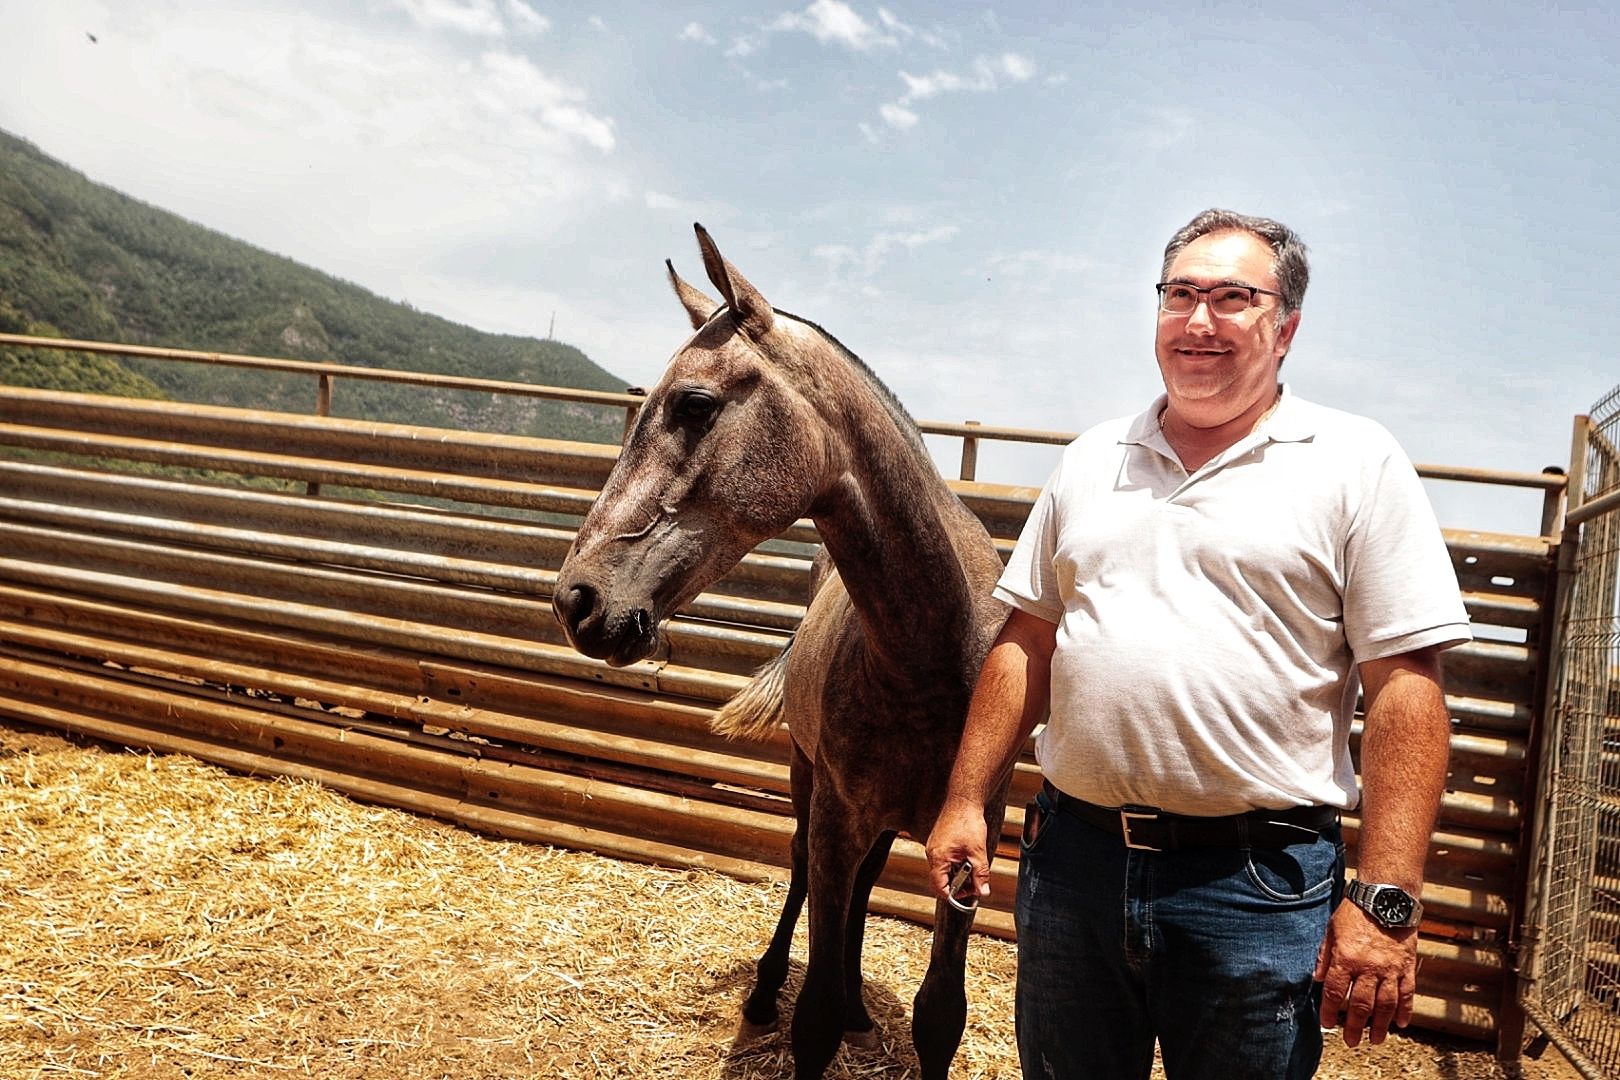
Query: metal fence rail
[168,578]
[970,432]
[326,376]
[1572,985]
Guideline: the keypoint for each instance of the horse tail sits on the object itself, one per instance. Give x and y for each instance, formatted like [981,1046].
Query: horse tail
[757,708]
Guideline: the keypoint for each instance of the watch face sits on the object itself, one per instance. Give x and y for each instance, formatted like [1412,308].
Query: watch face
[1392,907]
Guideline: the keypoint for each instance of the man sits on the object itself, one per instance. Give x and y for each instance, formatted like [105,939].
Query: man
[1195,597]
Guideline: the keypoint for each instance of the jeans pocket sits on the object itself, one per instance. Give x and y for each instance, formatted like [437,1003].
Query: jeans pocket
[1299,872]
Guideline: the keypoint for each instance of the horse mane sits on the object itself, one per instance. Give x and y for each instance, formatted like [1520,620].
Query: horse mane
[902,418]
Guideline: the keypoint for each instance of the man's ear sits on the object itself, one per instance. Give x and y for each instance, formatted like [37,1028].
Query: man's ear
[1285,334]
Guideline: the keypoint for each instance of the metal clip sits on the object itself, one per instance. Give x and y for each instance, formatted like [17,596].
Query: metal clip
[1126,816]
[961,878]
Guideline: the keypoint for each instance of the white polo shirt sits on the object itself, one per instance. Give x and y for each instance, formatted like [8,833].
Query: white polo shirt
[1208,625]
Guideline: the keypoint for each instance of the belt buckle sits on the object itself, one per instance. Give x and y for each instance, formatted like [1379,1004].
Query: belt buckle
[1128,814]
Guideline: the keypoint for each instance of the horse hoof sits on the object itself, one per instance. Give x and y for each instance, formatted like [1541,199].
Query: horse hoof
[862,1040]
[748,1031]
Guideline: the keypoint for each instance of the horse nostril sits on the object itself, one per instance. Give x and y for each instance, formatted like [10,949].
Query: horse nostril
[575,603]
[641,619]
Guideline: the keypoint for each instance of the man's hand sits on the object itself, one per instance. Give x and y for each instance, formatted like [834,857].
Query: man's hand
[958,836]
[1008,700]
[1367,973]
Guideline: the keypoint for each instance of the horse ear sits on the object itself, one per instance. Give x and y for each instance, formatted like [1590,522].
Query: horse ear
[698,306]
[752,310]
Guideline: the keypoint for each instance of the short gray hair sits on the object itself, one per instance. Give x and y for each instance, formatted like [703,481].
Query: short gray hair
[1288,261]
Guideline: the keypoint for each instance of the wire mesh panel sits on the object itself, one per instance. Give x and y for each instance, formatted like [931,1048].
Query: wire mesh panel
[1573,992]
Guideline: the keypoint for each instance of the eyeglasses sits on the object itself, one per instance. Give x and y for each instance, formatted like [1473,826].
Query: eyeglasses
[1179,298]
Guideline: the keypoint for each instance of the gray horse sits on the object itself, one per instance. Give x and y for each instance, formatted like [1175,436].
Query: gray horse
[762,418]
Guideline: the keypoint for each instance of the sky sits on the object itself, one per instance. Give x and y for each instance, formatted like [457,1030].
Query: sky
[974,199]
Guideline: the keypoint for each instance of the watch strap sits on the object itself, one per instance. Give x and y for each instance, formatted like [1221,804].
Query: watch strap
[1366,895]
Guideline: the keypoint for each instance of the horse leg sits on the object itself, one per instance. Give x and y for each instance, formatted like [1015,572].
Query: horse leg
[859,1030]
[759,1011]
[836,850]
[939,1011]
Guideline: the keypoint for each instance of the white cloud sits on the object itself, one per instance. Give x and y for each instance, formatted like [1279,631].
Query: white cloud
[866,261]
[890,20]
[693,31]
[907,31]
[514,89]
[918,239]
[526,20]
[927,86]
[898,116]
[361,146]
[987,74]
[831,22]
[478,17]
[579,124]
[835,22]
[1017,68]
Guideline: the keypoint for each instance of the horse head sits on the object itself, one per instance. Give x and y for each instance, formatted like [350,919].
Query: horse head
[727,451]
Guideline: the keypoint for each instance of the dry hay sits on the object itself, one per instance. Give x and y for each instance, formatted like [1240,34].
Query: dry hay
[163,918]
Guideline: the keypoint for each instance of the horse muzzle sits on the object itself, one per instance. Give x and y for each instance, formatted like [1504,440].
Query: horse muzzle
[619,637]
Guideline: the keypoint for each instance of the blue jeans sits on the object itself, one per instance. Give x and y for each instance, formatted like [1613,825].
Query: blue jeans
[1209,950]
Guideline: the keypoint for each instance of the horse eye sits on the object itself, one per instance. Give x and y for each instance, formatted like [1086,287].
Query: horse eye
[696,407]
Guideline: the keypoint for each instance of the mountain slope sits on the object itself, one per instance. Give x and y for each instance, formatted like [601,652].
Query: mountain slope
[78,259]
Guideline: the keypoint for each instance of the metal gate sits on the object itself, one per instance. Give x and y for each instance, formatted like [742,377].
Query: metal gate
[364,603]
[1571,987]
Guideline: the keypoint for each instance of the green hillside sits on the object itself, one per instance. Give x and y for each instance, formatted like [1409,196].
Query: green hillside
[80,260]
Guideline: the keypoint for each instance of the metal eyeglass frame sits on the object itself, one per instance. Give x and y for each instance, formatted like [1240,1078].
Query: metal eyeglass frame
[1201,296]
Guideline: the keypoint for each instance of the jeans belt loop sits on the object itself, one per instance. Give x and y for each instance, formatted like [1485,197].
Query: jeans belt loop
[1128,814]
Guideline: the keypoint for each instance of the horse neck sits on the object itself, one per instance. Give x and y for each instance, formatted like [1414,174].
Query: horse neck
[887,523]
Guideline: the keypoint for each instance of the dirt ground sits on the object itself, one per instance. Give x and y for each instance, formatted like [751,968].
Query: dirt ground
[162,918]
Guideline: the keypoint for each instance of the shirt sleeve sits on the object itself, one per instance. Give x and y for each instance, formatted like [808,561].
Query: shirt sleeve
[1401,590]
[1029,583]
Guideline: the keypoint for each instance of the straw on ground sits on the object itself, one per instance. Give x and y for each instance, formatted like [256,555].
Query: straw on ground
[164,918]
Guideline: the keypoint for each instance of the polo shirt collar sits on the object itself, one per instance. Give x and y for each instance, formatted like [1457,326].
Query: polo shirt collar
[1294,420]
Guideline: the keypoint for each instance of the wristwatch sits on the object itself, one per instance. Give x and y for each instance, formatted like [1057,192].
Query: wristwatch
[1391,906]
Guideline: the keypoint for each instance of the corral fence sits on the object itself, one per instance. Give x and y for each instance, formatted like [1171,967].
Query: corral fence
[1571,974]
[367,604]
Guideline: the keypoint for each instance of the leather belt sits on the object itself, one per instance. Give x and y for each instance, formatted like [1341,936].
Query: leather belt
[1146,828]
